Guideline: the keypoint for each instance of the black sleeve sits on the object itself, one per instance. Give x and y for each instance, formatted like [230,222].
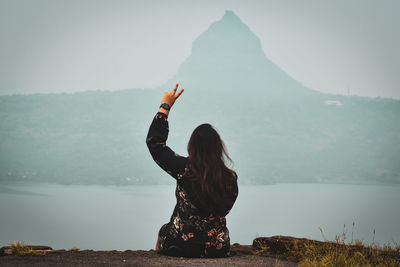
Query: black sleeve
[164,156]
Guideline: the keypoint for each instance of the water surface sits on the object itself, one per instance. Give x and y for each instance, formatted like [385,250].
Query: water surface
[129,217]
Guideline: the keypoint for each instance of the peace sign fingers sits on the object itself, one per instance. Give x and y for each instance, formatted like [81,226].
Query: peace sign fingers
[174,91]
[176,87]
[170,97]
[180,92]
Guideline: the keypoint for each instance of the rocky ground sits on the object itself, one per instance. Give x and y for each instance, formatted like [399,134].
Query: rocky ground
[265,251]
[243,257]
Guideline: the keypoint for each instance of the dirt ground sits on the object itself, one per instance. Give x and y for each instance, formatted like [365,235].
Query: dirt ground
[243,257]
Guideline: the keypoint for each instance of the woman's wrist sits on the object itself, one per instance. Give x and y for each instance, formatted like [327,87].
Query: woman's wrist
[163,110]
[168,100]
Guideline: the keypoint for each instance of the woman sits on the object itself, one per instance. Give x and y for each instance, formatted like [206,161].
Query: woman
[206,189]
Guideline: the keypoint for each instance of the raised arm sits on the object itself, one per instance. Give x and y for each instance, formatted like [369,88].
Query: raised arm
[157,137]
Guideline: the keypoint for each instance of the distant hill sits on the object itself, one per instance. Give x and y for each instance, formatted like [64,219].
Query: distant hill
[275,129]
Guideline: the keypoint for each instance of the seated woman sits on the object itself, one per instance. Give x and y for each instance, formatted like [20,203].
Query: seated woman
[205,192]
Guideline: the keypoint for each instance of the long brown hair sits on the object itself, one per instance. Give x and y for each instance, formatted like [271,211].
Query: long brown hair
[212,181]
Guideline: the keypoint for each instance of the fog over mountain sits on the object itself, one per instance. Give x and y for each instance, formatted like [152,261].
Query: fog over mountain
[275,129]
[228,56]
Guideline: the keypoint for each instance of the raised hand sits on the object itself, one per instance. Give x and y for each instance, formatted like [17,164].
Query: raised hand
[170,97]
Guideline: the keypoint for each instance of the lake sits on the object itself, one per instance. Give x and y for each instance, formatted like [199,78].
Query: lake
[129,217]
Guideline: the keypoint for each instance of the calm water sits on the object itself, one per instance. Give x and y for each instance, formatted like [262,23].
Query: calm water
[100,217]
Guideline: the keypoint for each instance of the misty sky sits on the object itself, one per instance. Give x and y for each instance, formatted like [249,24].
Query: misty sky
[65,46]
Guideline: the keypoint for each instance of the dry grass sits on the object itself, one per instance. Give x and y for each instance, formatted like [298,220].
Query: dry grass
[22,249]
[328,253]
[353,253]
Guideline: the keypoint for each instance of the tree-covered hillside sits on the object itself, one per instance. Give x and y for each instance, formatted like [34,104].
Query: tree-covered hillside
[99,137]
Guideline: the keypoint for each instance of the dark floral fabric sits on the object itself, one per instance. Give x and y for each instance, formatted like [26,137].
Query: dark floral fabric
[189,232]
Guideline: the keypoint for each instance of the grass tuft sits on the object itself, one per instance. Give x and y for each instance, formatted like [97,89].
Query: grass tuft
[261,248]
[23,250]
[355,253]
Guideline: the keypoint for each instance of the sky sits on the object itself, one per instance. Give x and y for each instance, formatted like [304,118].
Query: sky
[50,46]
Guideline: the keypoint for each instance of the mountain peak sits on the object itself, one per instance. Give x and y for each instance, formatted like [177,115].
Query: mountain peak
[227,39]
[230,25]
[230,16]
[230,55]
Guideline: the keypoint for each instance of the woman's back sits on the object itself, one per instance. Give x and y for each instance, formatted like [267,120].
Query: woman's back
[206,190]
[219,201]
[191,232]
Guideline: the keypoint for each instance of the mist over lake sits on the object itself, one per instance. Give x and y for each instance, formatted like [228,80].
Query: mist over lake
[129,217]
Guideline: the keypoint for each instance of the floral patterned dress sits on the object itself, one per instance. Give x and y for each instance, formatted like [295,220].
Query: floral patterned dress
[189,232]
